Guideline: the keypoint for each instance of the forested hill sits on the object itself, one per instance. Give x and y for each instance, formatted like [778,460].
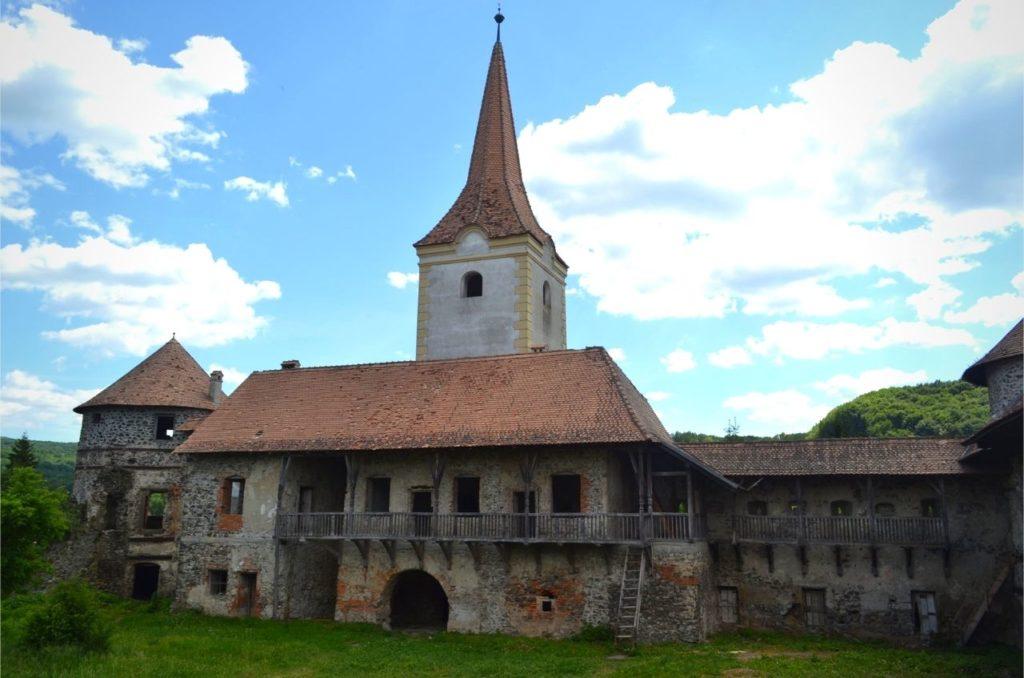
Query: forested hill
[56,460]
[949,409]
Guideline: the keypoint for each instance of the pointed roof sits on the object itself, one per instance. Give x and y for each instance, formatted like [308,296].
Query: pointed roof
[494,197]
[1009,346]
[170,377]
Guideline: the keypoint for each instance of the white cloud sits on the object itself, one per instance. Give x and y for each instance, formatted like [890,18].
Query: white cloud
[118,228]
[347,173]
[121,295]
[657,396]
[617,354]
[14,193]
[31,404]
[399,280]
[995,311]
[255,190]
[129,46]
[885,282]
[847,386]
[121,119]
[766,210]
[778,411]
[731,356]
[802,340]
[232,377]
[314,172]
[679,360]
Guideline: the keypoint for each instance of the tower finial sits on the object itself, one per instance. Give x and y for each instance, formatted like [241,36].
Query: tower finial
[498,18]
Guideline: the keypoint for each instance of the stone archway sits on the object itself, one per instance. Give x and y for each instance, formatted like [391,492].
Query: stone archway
[417,601]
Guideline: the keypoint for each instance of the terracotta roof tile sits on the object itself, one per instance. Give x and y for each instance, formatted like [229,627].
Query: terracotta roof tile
[494,197]
[833,456]
[170,377]
[1010,346]
[550,398]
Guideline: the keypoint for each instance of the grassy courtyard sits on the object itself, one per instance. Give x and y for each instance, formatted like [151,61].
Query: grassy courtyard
[150,641]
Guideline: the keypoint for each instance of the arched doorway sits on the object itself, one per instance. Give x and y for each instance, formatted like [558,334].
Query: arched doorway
[418,602]
[146,581]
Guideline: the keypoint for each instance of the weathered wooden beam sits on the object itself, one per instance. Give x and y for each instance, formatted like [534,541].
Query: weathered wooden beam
[389,546]
[474,550]
[738,553]
[908,555]
[505,551]
[874,561]
[417,547]
[839,560]
[364,550]
[769,552]
[802,551]
[446,549]
[570,555]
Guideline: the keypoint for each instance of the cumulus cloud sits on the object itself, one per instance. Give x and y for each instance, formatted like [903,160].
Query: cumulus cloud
[314,172]
[131,46]
[730,356]
[617,354]
[257,190]
[347,173]
[885,282]
[119,294]
[121,119]
[778,411]
[400,280]
[657,396]
[767,210]
[679,360]
[15,188]
[846,386]
[805,340]
[995,311]
[232,377]
[29,404]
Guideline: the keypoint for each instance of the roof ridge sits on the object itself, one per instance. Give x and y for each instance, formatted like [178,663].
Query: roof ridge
[434,361]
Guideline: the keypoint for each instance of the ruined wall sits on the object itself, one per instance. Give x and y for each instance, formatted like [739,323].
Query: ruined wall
[1004,380]
[770,580]
[678,594]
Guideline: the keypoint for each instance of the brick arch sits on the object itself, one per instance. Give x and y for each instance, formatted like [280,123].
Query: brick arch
[415,599]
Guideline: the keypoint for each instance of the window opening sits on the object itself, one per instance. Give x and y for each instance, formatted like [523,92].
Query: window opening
[235,494]
[565,494]
[467,495]
[153,512]
[218,582]
[814,608]
[757,508]
[842,508]
[727,604]
[472,285]
[930,507]
[546,602]
[164,427]
[526,525]
[885,509]
[926,618]
[305,499]
[546,295]
[379,496]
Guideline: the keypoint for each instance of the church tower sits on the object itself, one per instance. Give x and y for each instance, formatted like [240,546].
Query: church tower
[491,281]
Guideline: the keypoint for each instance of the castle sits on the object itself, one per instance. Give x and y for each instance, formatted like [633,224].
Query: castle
[504,483]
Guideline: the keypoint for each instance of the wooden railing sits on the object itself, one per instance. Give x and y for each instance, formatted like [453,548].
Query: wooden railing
[578,528]
[907,531]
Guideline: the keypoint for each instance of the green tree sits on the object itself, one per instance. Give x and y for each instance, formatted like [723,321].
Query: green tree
[32,516]
[22,454]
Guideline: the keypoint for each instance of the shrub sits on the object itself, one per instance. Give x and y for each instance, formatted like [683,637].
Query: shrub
[595,634]
[32,516]
[69,615]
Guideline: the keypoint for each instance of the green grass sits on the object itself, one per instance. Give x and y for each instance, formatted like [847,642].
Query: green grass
[149,641]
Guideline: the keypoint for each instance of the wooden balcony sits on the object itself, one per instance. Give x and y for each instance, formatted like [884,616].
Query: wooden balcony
[540,528]
[839,530]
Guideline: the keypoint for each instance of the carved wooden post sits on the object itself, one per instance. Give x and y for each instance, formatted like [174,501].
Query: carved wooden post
[690,523]
[352,475]
[436,475]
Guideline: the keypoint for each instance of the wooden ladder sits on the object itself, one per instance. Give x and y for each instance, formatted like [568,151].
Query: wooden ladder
[979,613]
[628,622]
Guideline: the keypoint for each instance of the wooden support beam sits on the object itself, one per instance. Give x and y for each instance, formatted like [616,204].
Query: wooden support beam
[690,508]
[446,549]
[908,555]
[871,523]
[505,551]
[874,561]
[474,550]
[606,552]
[440,461]
[570,555]
[769,552]
[364,550]
[802,551]
[947,561]
[839,560]
[389,546]
[738,553]
[352,476]
[417,547]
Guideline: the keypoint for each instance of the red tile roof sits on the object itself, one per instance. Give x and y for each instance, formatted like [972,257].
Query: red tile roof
[833,456]
[549,398]
[494,197]
[1010,346]
[170,377]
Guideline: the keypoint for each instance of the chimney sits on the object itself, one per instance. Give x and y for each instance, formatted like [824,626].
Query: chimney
[290,364]
[216,383]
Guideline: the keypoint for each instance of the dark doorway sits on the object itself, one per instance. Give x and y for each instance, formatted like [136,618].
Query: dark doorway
[467,495]
[379,496]
[418,602]
[146,581]
[565,494]
[422,506]
[247,594]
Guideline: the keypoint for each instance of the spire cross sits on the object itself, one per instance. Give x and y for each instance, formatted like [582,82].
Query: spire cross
[498,18]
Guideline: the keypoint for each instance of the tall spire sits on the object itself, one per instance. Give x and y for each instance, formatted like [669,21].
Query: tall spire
[494,197]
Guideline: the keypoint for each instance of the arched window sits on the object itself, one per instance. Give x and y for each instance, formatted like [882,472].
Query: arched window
[472,285]
[546,295]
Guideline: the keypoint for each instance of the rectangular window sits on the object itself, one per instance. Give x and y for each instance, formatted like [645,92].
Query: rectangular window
[234,490]
[757,508]
[165,427]
[926,618]
[841,508]
[930,507]
[153,511]
[218,582]
[467,495]
[305,499]
[814,608]
[727,603]
[378,498]
[565,494]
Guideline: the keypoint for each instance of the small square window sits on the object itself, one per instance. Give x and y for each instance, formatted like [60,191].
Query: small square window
[165,427]
[546,603]
[218,582]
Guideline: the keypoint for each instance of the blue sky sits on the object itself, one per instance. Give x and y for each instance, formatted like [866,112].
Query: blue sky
[766,208]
